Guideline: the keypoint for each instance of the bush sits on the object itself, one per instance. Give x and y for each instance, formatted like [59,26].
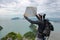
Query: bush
[19,37]
[13,36]
[29,35]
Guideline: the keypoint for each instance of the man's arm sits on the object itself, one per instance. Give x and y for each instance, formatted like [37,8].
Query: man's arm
[37,17]
[33,22]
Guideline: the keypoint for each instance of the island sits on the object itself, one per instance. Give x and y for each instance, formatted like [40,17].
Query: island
[15,18]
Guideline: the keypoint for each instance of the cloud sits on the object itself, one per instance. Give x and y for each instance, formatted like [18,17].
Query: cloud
[6,1]
[17,7]
[50,7]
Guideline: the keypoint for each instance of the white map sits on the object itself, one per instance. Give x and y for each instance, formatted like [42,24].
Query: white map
[30,11]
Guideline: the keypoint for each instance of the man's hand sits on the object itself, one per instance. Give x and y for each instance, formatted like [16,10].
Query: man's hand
[25,16]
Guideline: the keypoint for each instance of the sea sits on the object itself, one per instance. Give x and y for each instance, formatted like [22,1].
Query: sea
[20,26]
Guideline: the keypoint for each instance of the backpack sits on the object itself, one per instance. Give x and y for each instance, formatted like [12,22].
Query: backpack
[48,28]
[46,31]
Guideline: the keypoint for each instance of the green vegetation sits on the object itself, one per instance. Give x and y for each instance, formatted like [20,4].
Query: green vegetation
[17,36]
[29,35]
[12,36]
[1,28]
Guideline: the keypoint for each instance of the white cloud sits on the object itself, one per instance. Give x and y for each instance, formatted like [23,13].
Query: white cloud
[12,7]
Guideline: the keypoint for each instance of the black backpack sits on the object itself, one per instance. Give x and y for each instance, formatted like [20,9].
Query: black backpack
[48,28]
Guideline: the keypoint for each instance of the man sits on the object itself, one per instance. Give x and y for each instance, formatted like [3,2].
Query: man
[41,25]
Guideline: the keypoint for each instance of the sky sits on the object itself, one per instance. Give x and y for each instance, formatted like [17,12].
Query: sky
[12,8]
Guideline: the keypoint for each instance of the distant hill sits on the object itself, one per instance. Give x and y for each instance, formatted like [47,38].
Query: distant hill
[50,19]
[34,18]
[54,19]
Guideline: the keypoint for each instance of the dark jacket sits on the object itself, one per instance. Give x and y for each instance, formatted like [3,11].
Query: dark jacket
[48,28]
[41,25]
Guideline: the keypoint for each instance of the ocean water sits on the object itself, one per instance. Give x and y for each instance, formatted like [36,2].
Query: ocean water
[20,26]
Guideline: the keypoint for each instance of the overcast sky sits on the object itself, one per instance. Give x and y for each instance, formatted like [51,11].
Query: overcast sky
[12,8]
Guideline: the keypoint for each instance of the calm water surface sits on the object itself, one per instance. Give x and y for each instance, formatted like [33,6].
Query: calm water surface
[20,26]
